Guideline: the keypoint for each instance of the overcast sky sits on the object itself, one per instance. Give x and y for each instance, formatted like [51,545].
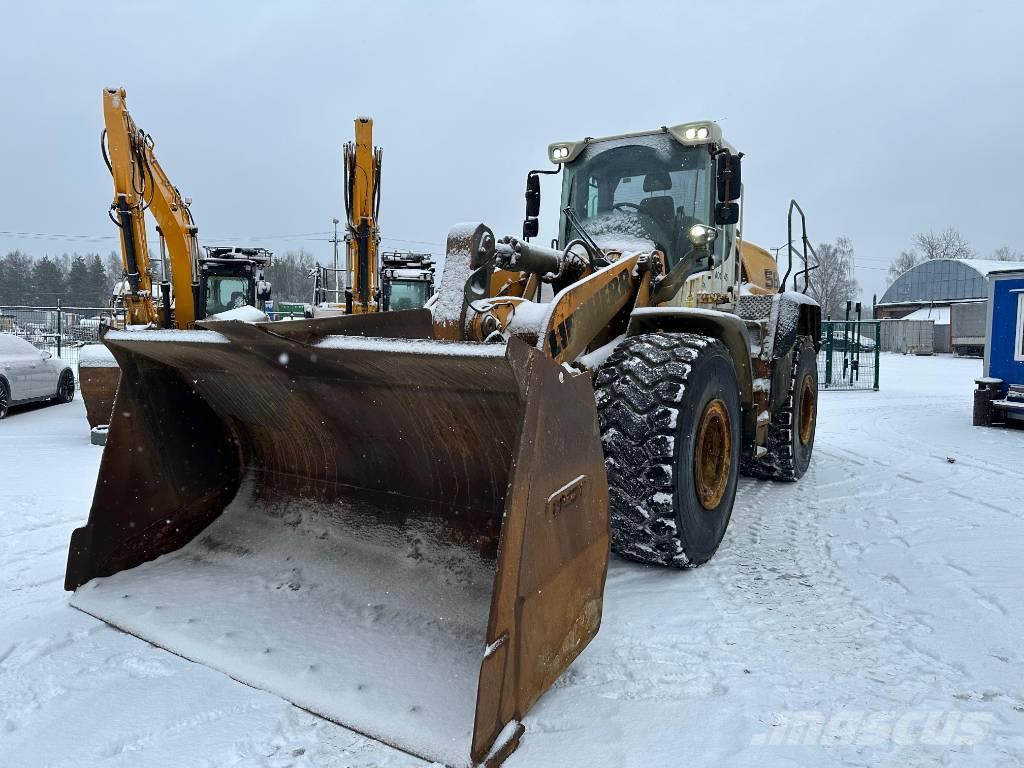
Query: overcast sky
[881,119]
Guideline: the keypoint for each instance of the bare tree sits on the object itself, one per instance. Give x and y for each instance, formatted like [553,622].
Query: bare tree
[948,244]
[288,276]
[906,260]
[1005,253]
[833,283]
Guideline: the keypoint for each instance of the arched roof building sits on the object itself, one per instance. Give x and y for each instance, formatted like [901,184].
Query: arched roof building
[938,282]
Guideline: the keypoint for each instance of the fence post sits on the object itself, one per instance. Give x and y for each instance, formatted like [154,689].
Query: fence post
[878,349]
[856,348]
[60,325]
[828,355]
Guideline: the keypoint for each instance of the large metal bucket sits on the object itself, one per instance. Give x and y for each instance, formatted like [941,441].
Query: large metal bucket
[406,536]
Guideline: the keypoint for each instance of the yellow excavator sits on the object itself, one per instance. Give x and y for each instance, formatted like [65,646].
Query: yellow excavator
[361,183]
[369,282]
[401,520]
[202,282]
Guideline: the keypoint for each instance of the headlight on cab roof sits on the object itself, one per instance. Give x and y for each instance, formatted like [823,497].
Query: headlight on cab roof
[565,151]
[696,133]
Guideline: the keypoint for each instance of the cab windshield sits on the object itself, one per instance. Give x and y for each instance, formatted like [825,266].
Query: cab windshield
[224,293]
[639,192]
[408,294]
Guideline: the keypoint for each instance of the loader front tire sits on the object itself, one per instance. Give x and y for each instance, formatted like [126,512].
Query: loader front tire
[668,407]
[791,432]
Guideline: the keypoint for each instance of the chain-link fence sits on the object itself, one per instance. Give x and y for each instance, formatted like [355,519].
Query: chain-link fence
[61,331]
[849,354]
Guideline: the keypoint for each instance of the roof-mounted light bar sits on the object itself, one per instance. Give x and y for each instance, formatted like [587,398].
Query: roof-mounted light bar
[687,134]
[692,134]
[565,151]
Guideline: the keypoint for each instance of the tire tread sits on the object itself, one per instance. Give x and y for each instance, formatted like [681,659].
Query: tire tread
[638,392]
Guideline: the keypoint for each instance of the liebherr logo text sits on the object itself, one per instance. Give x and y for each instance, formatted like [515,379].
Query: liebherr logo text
[607,300]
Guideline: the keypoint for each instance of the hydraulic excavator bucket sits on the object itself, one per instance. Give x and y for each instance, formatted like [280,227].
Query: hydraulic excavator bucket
[406,536]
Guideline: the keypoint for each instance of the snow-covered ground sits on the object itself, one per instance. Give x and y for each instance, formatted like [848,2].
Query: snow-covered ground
[872,614]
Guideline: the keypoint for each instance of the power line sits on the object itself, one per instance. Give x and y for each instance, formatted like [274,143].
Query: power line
[311,236]
[416,242]
[66,236]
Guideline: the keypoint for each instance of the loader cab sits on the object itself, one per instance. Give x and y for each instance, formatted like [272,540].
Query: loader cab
[230,278]
[644,190]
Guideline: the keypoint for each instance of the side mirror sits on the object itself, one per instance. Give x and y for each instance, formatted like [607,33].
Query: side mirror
[45,355]
[729,177]
[727,213]
[531,225]
[532,196]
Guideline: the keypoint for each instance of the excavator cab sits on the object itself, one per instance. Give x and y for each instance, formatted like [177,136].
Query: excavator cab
[230,278]
[407,280]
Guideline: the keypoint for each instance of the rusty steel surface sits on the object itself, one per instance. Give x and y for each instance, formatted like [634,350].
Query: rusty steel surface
[497,441]
[98,385]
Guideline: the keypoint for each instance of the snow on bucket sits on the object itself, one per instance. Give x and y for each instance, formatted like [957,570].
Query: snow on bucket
[406,536]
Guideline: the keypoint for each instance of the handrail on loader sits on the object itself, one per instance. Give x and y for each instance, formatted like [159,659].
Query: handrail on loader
[806,247]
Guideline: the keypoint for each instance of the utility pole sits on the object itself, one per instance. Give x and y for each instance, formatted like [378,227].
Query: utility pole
[337,274]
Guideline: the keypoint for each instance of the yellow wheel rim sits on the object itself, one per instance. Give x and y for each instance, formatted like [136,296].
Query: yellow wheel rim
[713,456]
[808,409]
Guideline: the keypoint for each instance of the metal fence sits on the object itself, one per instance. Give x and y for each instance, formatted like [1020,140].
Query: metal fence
[849,355]
[908,337]
[59,330]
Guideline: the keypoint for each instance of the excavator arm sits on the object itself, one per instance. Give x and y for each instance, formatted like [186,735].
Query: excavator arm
[140,183]
[362,205]
[125,158]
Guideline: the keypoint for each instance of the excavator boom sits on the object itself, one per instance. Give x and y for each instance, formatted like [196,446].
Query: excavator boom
[141,184]
[362,204]
[125,154]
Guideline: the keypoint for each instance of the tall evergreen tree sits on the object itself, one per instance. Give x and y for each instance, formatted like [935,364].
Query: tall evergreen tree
[78,282]
[48,282]
[15,278]
[97,288]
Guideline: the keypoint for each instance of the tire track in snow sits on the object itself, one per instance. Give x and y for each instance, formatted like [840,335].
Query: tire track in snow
[778,564]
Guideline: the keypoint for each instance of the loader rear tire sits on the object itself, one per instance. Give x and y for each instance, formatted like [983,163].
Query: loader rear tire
[668,407]
[791,432]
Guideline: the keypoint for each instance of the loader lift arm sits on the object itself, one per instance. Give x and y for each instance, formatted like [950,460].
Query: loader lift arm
[140,183]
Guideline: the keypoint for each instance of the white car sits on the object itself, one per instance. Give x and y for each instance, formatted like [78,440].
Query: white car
[28,375]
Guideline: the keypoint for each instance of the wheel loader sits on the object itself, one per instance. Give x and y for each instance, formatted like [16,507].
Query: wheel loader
[401,521]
